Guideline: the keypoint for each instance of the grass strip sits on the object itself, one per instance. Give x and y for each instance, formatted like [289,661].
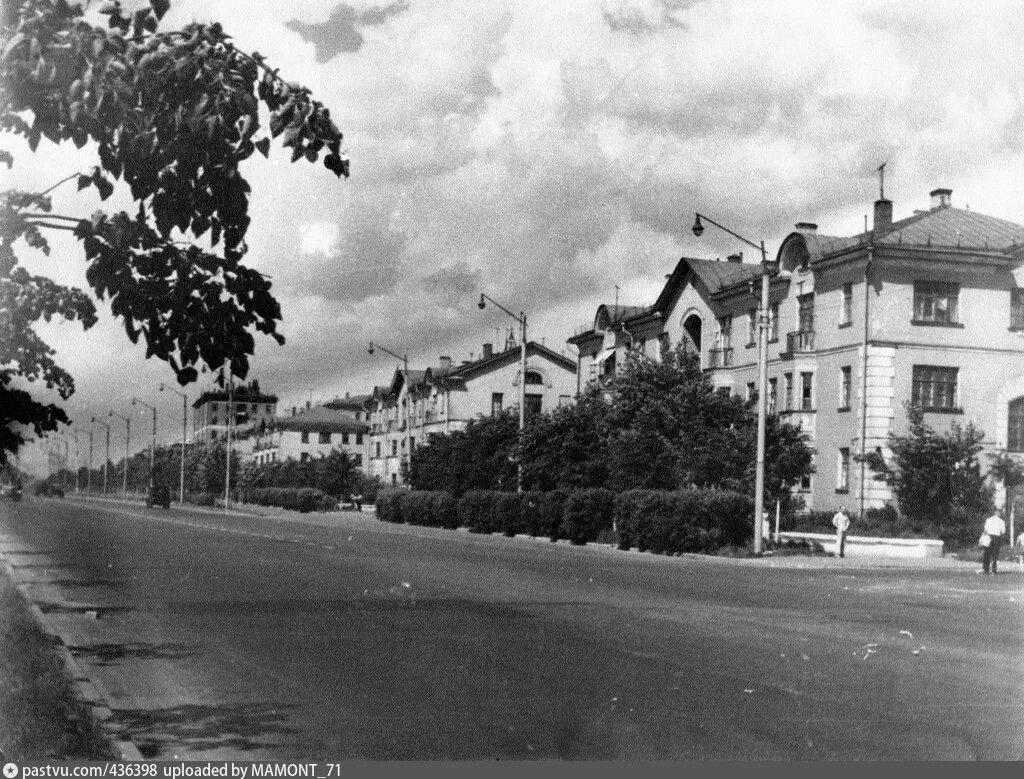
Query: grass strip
[41,717]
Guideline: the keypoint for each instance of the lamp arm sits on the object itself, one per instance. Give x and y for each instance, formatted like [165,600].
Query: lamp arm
[759,247]
[518,317]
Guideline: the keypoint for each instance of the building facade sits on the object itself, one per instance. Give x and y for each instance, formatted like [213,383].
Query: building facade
[927,310]
[253,410]
[313,432]
[445,397]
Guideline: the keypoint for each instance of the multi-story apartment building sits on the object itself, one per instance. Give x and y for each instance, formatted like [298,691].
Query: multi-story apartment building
[926,310]
[252,408]
[313,432]
[445,397]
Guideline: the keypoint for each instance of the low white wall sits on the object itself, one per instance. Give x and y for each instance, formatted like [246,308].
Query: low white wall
[871,546]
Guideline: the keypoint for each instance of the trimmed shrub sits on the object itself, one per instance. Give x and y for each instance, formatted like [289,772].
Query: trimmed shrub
[507,513]
[474,509]
[387,505]
[531,513]
[201,498]
[551,509]
[416,508]
[673,522]
[444,510]
[302,499]
[586,513]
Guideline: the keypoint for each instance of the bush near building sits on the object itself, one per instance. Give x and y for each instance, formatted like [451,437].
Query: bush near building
[302,499]
[661,521]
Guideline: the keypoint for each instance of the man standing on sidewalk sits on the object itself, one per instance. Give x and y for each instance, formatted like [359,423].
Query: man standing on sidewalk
[995,529]
[841,522]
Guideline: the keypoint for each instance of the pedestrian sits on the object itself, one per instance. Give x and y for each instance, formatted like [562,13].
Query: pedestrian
[358,500]
[841,522]
[991,542]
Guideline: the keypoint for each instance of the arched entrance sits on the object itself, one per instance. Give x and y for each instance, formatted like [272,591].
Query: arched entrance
[692,333]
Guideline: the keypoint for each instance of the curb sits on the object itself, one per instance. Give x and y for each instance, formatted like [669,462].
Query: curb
[96,704]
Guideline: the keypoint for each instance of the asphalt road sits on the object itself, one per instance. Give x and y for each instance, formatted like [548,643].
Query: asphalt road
[338,637]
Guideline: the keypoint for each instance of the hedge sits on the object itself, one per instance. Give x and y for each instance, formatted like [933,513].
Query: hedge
[387,505]
[586,513]
[682,521]
[296,498]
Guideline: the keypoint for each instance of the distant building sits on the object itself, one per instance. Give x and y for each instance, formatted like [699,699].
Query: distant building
[313,432]
[359,406]
[253,410]
[927,310]
[444,398]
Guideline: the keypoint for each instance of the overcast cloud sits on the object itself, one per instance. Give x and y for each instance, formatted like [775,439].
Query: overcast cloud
[547,151]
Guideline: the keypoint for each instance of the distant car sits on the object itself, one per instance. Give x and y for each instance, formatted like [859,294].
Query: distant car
[10,492]
[160,495]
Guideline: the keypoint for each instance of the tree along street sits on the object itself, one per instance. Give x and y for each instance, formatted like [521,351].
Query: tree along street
[339,636]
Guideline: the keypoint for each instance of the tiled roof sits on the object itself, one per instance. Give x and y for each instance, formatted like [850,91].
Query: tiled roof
[955,228]
[321,419]
[717,275]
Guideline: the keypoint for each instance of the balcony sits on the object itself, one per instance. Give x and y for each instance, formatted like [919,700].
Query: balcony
[720,358]
[800,341]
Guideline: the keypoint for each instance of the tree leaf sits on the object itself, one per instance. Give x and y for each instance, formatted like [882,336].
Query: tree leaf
[160,7]
[263,145]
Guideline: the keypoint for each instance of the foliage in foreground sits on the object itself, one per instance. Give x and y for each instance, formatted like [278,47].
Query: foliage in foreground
[172,115]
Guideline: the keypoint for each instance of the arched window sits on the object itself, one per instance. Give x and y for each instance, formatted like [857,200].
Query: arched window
[1015,426]
[533,377]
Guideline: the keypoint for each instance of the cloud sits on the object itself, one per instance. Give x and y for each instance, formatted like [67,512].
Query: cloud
[340,33]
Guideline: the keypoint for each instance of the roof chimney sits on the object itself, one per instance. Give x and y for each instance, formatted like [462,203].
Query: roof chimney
[307,405]
[941,198]
[446,361]
[806,227]
[883,216]
[346,396]
[488,351]
[294,410]
[738,257]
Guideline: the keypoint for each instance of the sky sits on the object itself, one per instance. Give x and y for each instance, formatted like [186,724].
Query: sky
[548,152]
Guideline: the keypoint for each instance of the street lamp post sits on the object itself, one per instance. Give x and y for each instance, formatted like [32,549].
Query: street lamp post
[521,319]
[106,461]
[184,430]
[152,445]
[768,269]
[88,473]
[127,438]
[408,396]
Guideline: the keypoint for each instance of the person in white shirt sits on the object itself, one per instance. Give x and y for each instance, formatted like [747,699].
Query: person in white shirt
[841,522]
[995,529]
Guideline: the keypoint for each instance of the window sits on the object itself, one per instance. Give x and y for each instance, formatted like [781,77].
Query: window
[325,437]
[773,389]
[725,332]
[534,377]
[846,310]
[751,392]
[359,460]
[564,400]
[805,312]
[412,443]
[843,470]
[394,448]
[788,404]
[1017,309]
[304,437]
[394,479]
[496,399]
[934,387]
[807,391]
[533,404]
[844,386]
[1015,431]
[344,439]
[805,482]
[936,302]
[752,327]
[773,322]
[270,409]
[376,449]
[359,439]
[304,457]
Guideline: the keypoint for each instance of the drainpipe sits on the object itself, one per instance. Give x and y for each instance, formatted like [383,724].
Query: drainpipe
[864,382]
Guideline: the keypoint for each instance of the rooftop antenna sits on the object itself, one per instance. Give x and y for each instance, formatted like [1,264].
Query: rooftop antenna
[881,180]
[616,302]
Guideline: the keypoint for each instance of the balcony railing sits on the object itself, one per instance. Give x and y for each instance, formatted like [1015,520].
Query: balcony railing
[720,358]
[800,341]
